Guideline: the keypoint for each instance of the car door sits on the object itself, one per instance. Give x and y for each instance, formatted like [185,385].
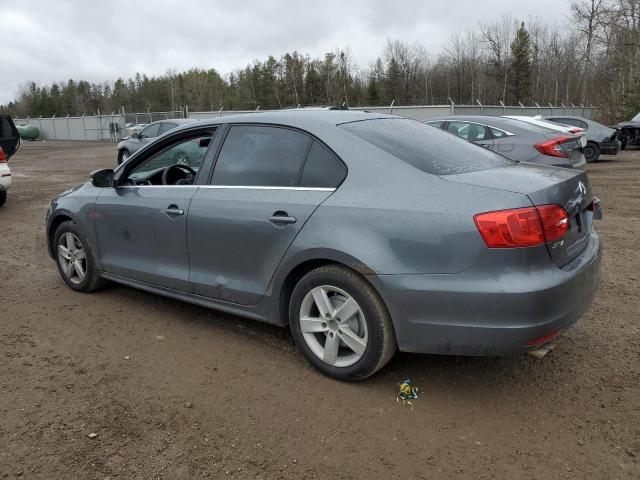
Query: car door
[261,194]
[9,136]
[141,223]
[502,141]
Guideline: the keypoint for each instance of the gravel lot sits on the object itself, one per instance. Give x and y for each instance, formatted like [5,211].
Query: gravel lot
[177,391]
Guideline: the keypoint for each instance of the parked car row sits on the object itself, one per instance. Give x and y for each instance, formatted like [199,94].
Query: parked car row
[565,141]
[364,233]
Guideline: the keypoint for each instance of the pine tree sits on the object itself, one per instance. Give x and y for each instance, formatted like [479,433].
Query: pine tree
[521,66]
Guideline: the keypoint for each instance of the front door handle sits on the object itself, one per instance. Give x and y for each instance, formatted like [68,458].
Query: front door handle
[173,211]
[282,218]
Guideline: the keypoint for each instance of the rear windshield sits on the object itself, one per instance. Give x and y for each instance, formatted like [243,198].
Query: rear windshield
[430,149]
[636,118]
[524,125]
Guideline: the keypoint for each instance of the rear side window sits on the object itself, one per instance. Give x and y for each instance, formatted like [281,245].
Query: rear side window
[165,127]
[430,149]
[323,169]
[261,156]
[436,123]
[498,133]
[150,131]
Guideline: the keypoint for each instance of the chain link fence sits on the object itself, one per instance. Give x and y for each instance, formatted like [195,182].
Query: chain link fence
[114,127]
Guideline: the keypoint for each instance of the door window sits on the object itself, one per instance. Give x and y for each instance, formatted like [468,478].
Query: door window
[323,169]
[471,131]
[150,131]
[261,156]
[436,123]
[189,152]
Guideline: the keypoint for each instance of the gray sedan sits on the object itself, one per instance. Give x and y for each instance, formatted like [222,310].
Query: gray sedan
[135,142]
[363,233]
[600,138]
[516,139]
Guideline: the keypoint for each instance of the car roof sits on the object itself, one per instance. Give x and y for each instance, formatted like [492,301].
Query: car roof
[484,119]
[305,119]
[177,121]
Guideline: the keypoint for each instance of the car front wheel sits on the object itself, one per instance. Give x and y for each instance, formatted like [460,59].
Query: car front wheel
[341,324]
[75,259]
[123,156]
[591,152]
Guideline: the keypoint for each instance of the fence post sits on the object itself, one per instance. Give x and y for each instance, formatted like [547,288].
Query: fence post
[521,107]
[573,111]
[220,111]
[480,105]
[53,121]
[391,106]
[68,131]
[150,116]
[452,106]
[536,104]
[582,110]
[502,105]
[257,108]
[40,123]
[186,111]
[84,128]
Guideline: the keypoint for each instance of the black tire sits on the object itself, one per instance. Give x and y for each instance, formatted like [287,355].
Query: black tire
[381,343]
[3,196]
[623,145]
[123,154]
[591,152]
[92,280]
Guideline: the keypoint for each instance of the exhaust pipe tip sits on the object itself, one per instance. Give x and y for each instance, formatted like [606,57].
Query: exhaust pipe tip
[540,352]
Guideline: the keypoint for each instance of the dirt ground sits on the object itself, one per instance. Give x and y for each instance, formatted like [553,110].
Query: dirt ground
[177,391]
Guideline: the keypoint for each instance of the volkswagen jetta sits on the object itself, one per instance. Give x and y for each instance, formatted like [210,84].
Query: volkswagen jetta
[364,233]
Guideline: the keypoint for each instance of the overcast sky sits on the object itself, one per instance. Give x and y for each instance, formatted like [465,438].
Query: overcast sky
[53,40]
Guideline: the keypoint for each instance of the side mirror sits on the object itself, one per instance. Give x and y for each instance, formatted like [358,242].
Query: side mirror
[102,178]
[135,135]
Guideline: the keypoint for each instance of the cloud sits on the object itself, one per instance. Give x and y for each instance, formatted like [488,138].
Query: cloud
[45,41]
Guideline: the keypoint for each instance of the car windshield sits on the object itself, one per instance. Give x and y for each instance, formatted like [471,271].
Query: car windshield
[636,118]
[430,149]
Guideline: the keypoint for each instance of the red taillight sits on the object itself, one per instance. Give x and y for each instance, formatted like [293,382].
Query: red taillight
[3,157]
[553,147]
[522,227]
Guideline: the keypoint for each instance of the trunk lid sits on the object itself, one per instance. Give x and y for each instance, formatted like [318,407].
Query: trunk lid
[566,187]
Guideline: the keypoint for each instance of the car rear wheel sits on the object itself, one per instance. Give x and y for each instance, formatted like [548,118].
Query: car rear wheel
[341,324]
[75,259]
[591,152]
[123,155]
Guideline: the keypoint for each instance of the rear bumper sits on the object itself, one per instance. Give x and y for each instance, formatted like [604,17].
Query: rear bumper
[489,309]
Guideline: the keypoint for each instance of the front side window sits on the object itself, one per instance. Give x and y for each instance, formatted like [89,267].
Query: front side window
[151,131]
[429,149]
[256,155]
[188,152]
[323,169]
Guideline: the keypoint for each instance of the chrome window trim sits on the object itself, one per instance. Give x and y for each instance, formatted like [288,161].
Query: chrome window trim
[239,187]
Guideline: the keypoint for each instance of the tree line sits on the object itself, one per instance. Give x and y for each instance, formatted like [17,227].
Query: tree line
[591,58]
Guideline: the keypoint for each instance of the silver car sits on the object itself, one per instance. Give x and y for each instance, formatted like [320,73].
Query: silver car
[516,139]
[600,138]
[363,233]
[137,140]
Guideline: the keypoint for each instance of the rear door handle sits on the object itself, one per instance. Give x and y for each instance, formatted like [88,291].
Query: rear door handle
[174,211]
[282,218]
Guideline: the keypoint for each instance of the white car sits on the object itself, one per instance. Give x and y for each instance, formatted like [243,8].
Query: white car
[9,144]
[537,120]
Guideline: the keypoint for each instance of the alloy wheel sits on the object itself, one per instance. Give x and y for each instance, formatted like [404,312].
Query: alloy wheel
[333,326]
[72,258]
